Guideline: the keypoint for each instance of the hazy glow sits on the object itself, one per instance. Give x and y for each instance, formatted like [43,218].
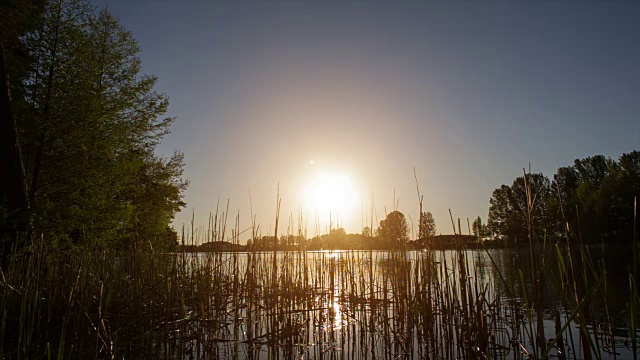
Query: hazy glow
[331,195]
[268,95]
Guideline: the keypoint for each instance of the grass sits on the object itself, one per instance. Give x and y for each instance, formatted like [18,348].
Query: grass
[480,304]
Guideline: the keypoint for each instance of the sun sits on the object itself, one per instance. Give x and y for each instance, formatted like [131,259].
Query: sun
[331,193]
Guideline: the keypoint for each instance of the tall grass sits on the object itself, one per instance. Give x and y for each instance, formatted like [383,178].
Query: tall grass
[441,304]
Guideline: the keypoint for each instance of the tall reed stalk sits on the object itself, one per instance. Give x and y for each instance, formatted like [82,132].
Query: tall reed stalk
[432,303]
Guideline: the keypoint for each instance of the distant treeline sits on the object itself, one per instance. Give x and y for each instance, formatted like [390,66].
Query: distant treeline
[590,201]
[79,127]
[327,242]
[392,233]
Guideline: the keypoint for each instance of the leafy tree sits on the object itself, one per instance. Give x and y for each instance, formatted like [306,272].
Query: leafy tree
[479,229]
[335,239]
[357,241]
[626,190]
[393,230]
[18,18]
[88,124]
[366,231]
[291,240]
[590,201]
[590,194]
[510,205]
[591,197]
[501,219]
[315,243]
[427,226]
[155,198]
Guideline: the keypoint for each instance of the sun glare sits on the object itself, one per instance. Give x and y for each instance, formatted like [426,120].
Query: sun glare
[331,193]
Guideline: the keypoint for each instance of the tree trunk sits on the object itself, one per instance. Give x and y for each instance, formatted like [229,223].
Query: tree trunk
[13,186]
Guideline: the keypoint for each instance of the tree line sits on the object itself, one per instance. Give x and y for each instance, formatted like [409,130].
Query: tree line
[80,125]
[590,201]
[392,233]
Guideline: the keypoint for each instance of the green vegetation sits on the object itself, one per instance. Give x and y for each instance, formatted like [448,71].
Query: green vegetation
[391,234]
[479,229]
[427,227]
[393,230]
[86,125]
[592,201]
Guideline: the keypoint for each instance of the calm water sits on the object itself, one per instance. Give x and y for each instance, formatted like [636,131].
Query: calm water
[440,304]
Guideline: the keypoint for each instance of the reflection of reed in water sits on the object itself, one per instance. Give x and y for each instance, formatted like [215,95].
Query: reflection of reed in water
[344,304]
[358,305]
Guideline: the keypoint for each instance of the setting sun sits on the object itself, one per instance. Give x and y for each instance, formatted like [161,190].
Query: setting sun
[331,193]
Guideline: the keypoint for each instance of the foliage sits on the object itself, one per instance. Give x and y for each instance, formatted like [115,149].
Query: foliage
[18,17]
[479,229]
[88,123]
[427,225]
[596,195]
[590,201]
[393,230]
[366,231]
[509,204]
[264,243]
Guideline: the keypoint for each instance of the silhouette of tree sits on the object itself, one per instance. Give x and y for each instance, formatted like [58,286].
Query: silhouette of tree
[427,226]
[591,201]
[393,230]
[366,231]
[335,239]
[479,229]
[508,209]
[583,196]
[596,196]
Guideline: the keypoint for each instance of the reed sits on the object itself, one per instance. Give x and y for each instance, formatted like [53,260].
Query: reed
[445,304]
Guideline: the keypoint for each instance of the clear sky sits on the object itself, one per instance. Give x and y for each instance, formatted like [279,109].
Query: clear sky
[468,93]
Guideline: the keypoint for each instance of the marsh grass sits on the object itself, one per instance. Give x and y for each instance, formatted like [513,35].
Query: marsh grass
[432,304]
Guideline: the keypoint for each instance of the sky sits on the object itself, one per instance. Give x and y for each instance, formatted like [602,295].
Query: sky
[351,96]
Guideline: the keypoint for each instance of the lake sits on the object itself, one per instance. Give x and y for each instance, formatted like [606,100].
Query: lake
[446,304]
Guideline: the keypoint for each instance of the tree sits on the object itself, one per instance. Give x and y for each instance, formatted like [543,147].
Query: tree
[156,196]
[626,191]
[335,239]
[88,124]
[366,231]
[479,229]
[589,201]
[427,226]
[19,17]
[589,198]
[393,230]
[510,208]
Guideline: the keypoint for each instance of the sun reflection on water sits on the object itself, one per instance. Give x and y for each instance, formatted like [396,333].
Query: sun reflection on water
[336,314]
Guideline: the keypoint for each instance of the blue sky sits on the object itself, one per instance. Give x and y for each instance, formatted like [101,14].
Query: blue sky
[468,93]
